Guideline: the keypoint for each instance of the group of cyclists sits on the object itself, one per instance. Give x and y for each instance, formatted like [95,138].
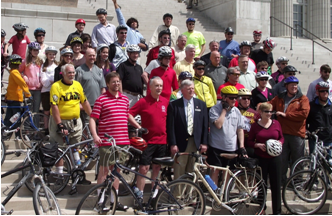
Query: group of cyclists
[227,101]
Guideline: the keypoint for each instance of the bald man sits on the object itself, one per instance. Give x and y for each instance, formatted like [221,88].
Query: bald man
[215,70]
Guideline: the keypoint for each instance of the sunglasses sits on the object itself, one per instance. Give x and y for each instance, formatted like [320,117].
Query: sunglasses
[200,68]
[41,35]
[233,98]
[327,72]
[67,56]
[245,98]
[291,74]
[326,90]
[263,69]
[284,63]
[123,32]
[263,79]
[229,33]
[235,74]
[267,111]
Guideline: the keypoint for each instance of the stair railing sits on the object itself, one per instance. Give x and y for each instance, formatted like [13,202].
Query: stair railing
[291,35]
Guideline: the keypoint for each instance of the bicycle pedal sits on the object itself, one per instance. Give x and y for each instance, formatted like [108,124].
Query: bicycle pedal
[73,191]
[10,212]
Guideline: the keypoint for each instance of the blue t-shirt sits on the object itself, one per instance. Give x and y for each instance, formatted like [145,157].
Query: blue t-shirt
[227,49]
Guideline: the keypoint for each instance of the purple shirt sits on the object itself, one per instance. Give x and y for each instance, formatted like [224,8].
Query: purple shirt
[280,78]
[110,69]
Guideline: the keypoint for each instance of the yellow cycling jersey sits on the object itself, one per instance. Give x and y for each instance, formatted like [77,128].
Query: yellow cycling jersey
[67,98]
[205,90]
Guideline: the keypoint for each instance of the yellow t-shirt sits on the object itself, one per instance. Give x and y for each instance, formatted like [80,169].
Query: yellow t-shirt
[67,98]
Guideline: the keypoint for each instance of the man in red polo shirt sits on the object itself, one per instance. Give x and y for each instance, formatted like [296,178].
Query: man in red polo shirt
[233,75]
[111,109]
[166,73]
[164,39]
[153,111]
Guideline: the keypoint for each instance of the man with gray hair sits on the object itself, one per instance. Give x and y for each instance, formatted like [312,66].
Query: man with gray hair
[187,63]
[180,53]
[215,70]
[214,46]
[153,112]
[233,75]
[187,127]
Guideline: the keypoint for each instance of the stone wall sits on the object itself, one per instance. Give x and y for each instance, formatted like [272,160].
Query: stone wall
[62,3]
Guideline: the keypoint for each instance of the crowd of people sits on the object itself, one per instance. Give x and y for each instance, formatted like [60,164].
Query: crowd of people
[226,101]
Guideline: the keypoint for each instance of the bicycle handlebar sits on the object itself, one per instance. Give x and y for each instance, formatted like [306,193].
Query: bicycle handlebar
[192,154]
[125,149]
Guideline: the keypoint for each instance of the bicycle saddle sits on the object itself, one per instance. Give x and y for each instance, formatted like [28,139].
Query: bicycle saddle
[166,161]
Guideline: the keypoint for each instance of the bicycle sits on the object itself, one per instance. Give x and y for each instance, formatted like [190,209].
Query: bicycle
[30,126]
[102,198]
[245,192]
[44,201]
[57,182]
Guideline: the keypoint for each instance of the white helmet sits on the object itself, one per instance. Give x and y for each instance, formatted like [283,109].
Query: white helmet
[262,74]
[51,49]
[273,147]
[165,51]
[282,59]
[101,46]
[133,48]
[138,119]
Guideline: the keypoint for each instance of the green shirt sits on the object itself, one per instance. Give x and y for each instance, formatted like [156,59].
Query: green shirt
[197,39]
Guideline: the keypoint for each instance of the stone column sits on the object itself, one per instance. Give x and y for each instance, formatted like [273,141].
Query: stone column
[282,10]
[320,18]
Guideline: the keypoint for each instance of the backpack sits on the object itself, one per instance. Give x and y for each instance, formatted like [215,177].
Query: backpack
[48,154]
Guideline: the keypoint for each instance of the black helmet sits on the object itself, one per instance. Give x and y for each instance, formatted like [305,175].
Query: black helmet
[199,63]
[120,27]
[101,11]
[229,29]
[3,33]
[167,15]
[185,75]
[289,68]
[37,30]
[163,32]
[245,43]
[20,26]
[15,59]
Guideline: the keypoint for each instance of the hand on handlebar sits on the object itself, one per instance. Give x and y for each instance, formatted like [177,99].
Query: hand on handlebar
[62,129]
[243,152]
[143,130]
[174,149]
[97,140]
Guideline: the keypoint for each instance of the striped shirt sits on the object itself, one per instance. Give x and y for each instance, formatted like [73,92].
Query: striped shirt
[113,117]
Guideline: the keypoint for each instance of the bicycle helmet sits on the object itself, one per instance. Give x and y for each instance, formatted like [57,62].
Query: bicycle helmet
[20,26]
[15,59]
[273,147]
[163,32]
[165,51]
[80,21]
[34,45]
[167,15]
[262,74]
[37,30]
[199,63]
[289,68]
[229,90]
[190,20]
[66,51]
[291,79]
[244,92]
[258,32]
[133,48]
[51,49]
[282,59]
[101,46]
[245,43]
[185,75]
[101,11]
[138,119]
[229,29]
[76,40]
[269,43]
[120,27]
[322,85]
[3,33]
[138,142]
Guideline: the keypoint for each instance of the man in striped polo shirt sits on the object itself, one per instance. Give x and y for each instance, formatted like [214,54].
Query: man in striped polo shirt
[111,109]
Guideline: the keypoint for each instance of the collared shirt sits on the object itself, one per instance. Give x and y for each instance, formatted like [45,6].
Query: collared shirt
[121,53]
[131,77]
[184,66]
[179,54]
[217,74]
[311,94]
[185,101]
[248,80]
[251,64]
[175,32]
[103,34]
[227,49]
[153,54]
[153,64]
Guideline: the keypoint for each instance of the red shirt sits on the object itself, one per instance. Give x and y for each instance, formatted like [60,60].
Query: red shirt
[238,86]
[153,115]
[251,64]
[112,113]
[169,81]
[19,46]
[153,54]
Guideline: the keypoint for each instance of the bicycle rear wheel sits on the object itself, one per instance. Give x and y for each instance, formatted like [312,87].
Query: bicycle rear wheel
[101,199]
[254,201]
[45,203]
[306,163]
[3,152]
[32,129]
[186,193]
[305,192]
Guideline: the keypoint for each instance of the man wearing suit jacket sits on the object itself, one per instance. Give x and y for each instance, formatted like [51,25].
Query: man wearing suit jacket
[187,127]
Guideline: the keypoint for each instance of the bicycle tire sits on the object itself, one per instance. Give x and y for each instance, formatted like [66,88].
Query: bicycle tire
[89,204]
[295,191]
[29,132]
[41,202]
[130,177]
[3,152]
[200,184]
[191,198]
[257,198]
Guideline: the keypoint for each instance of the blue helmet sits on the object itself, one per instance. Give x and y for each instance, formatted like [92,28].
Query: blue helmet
[190,20]
[291,79]
[185,75]
[37,30]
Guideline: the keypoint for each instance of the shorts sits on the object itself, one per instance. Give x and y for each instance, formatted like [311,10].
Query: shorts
[45,99]
[215,159]
[85,117]
[152,151]
[107,156]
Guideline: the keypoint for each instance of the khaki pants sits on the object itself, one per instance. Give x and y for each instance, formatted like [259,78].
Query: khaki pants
[74,137]
[132,99]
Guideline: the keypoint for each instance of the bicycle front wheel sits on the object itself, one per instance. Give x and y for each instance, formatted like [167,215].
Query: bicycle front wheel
[101,199]
[44,201]
[130,177]
[306,163]
[3,152]
[32,127]
[183,197]
[253,195]
[305,192]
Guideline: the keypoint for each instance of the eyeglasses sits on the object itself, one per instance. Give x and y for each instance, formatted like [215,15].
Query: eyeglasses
[123,32]
[263,79]
[200,68]
[236,74]
[245,98]
[327,71]
[268,111]
[326,90]
[67,56]
[233,98]
[285,63]
[257,35]
[229,33]
[41,35]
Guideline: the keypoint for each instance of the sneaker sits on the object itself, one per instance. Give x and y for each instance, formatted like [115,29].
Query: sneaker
[101,210]
[121,207]
[18,138]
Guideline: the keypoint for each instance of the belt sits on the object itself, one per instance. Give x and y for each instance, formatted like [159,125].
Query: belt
[131,93]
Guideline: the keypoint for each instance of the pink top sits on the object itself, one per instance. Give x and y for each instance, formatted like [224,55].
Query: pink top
[263,92]
[19,46]
[31,75]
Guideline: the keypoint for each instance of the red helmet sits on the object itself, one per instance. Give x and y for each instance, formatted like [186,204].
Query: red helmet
[322,85]
[79,21]
[257,32]
[138,142]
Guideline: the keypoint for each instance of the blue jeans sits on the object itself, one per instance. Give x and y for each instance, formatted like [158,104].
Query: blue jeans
[36,94]
[12,111]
